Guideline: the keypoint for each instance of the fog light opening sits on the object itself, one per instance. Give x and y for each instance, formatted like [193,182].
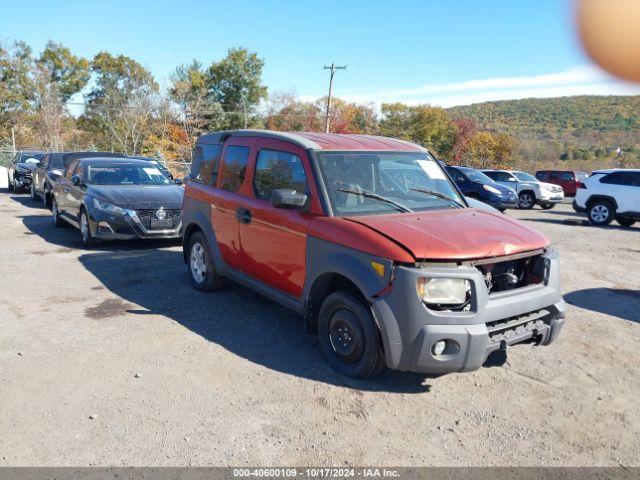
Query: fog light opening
[439,347]
[104,227]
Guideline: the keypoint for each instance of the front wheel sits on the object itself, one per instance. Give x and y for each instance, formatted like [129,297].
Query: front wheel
[526,200]
[625,221]
[47,201]
[202,271]
[85,230]
[348,336]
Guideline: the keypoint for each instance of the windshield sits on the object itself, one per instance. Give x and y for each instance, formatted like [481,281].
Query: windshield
[525,177]
[26,156]
[368,183]
[126,175]
[476,176]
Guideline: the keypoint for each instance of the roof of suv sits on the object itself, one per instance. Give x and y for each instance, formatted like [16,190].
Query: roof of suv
[611,170]
[320,141]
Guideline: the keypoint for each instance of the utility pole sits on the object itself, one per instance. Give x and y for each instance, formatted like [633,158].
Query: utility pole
[333,69]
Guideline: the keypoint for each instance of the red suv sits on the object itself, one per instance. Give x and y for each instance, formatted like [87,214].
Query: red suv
[373,244]
[567,179]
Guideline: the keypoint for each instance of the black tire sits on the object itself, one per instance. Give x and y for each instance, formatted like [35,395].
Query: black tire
[32,192]
[88,240]
[344,318]
[526,200]
[202,270]
[625,221]
[601,212]
[46,198]
[55,215]
[547,206]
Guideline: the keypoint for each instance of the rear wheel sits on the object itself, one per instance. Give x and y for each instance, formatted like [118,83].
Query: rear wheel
[601,212]
[625,221]
[46,198]
[348,335]
[202,271]
[526,200]
[55,215]
[32,192]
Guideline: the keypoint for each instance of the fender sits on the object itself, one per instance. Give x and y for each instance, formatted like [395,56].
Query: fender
[196,214]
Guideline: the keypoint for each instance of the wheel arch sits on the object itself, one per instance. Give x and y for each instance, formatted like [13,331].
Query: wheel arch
[607,198]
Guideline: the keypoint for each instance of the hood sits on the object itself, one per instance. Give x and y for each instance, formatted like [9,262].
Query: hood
[551,187]
[26,166]
[139,196]
[456,234]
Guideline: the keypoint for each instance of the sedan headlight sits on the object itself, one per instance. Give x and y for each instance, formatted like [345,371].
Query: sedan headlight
[107,207]
[491,189]
[444,291]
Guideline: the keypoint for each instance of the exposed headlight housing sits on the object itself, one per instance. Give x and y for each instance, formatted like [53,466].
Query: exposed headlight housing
[107,207]
[491,189]
[441,291]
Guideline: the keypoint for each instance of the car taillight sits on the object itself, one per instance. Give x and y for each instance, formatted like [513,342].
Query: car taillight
[581,185]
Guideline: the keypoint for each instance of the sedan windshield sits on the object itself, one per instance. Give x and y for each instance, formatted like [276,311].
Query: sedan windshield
[124,174]
[525,177]
[369,183]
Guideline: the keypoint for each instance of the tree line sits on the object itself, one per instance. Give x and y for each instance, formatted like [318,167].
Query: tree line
[118,105]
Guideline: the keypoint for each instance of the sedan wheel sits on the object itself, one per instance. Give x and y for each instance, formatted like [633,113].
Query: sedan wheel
[85,230]
[55,215]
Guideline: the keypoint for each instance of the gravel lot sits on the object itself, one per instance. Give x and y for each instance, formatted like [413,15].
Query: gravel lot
[109,357]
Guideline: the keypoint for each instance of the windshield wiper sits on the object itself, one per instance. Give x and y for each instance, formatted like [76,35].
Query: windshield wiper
[375,196]
[439,195]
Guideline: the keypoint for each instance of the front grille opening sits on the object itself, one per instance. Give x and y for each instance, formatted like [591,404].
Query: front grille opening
[532,322]
[516,273]
[146,215]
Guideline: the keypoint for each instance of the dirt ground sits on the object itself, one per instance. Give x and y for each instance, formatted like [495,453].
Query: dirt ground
[109,357]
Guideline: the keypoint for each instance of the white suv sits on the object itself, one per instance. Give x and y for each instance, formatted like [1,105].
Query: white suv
[609,194]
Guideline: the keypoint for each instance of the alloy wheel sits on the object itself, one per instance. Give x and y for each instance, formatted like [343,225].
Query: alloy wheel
[84,227]
[525,201]
[197,263]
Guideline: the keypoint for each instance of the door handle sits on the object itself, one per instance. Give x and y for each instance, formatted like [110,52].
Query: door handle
[243,215]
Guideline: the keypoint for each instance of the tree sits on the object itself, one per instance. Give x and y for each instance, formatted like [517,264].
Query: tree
[198,111]
[465,130]
[16,84]
[121,103]
[58,76]
[235,82]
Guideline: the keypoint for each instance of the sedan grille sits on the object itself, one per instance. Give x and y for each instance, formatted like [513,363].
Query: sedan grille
[147,215]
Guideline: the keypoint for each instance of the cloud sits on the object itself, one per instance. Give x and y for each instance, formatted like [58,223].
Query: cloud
[583,80]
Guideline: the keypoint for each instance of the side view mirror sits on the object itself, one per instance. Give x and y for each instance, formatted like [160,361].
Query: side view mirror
[286,198]
[75,180]
[178,181]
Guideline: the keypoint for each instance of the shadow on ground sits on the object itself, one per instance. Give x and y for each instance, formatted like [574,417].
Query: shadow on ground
[576,222]
[236,318]
[621,303]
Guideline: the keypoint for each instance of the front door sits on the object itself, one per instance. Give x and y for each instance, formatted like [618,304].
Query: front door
[274,240]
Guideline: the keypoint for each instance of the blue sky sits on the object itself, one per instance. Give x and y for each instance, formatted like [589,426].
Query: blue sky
[440,52]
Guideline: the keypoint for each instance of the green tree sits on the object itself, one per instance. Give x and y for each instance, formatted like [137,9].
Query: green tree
[235,82]
[122,102]
[67,72]
[16,84]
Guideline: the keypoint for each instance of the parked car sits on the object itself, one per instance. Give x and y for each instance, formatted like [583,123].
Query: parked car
[52,167]
[550,194]
[117,199]
[529,189]
[475,184]
[386,269]
[567,179]
[20,169]
[609,194]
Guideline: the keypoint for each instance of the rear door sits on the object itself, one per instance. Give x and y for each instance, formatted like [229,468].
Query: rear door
[75,193]
[274,240]
[227,210]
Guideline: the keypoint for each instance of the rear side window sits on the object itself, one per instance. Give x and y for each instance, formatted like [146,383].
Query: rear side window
[234,167]
[567,176]
[204,168]
[630,179]
[278,170]
[554,176]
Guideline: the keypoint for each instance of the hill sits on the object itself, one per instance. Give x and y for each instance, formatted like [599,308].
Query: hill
[567,130]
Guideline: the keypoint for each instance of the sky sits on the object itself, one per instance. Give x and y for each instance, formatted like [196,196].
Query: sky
[432,51]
